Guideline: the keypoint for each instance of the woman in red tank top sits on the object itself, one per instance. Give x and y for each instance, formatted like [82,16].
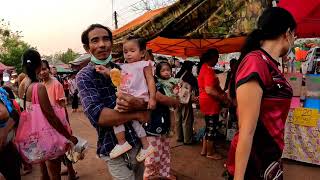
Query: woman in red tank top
[211,97]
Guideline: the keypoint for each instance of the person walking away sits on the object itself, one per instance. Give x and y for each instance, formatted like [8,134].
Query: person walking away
[263,98]
[57,98]
[232,108]
[55,74]
[184,114]
[50,169]
[66,87]
[98,98]
[74,93]
[232,62]
[211,97]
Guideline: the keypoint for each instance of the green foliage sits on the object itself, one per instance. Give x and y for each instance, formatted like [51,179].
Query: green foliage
[67,56]
[11,47]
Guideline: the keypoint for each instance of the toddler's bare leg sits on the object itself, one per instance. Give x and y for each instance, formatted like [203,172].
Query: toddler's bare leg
[120,134]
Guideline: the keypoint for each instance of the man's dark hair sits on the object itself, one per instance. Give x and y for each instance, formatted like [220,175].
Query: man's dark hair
[85,34]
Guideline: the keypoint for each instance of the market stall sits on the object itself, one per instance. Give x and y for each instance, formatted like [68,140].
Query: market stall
[302,130]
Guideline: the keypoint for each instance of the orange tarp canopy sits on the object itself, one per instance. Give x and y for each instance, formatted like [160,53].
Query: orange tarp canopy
[181,47]
[188,28]
[194,47]
[138,21]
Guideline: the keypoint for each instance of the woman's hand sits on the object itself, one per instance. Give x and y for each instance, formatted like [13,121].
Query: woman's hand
[126,103]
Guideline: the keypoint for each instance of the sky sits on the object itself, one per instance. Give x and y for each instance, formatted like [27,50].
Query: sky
[56,25]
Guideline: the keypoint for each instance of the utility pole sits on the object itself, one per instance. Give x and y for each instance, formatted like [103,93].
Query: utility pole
[115,19]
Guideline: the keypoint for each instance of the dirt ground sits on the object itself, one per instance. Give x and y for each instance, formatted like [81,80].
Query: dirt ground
[187,164]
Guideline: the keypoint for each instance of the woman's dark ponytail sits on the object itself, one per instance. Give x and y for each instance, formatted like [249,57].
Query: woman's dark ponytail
[31,60]
[253,42]
[272,23]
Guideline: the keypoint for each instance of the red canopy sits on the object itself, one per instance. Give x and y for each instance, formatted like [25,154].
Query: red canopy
[306,14]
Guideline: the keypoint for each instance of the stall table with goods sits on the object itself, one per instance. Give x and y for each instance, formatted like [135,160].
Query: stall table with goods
[302,128]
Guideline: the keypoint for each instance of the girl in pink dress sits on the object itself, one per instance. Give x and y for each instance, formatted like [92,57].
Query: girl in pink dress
[137,80]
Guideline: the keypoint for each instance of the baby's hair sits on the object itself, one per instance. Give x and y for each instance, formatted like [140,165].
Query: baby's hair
[159,66]
[141,41]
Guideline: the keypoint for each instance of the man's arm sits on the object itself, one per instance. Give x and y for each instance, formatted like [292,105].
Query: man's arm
[111,117]
[166,100]
[94,107]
